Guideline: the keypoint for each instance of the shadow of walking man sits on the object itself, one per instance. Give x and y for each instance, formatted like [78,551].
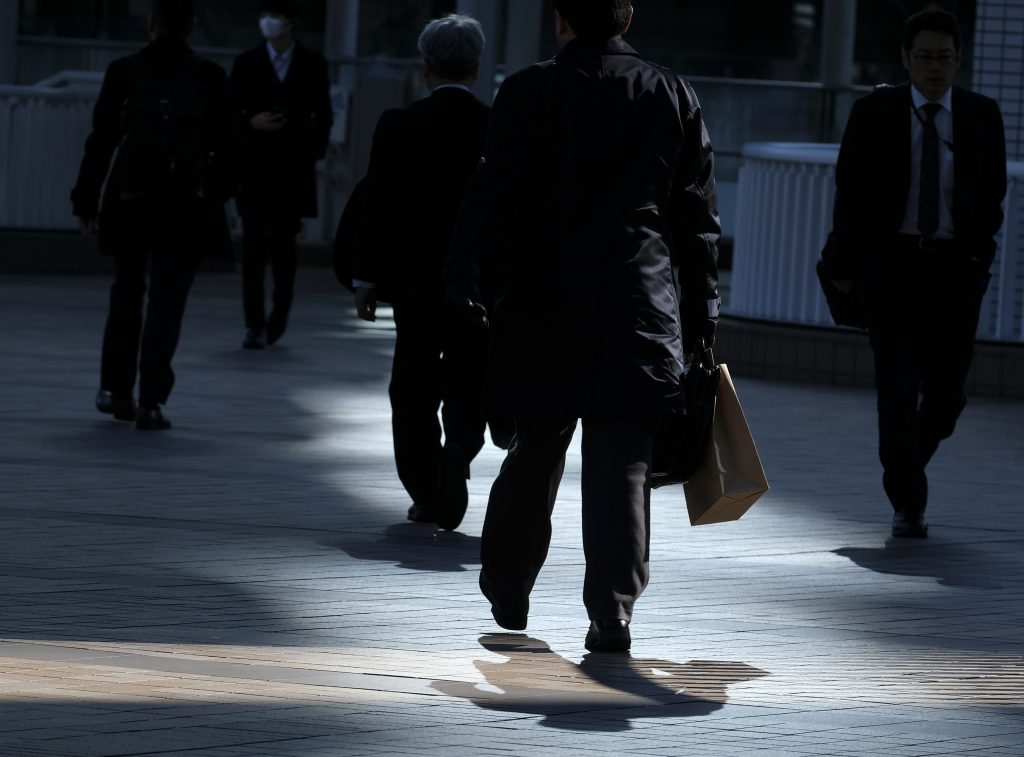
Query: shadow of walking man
[604,692]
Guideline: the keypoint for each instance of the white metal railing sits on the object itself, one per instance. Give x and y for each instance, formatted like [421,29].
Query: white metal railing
[784,214]
[42,133]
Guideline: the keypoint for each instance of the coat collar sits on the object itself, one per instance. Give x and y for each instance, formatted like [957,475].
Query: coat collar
[596,46]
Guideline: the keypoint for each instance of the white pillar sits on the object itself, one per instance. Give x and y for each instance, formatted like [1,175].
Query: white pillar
[998,64]
[8,41]
[341,35]
[487,13]
[522,30]
[838,32]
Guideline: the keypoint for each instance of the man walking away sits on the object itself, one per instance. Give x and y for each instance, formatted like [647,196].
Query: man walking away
[422,159]
[596,184]
[165,111]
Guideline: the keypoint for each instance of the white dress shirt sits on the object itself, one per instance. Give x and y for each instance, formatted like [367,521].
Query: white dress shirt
[944,126]
[281,61]
[451,86]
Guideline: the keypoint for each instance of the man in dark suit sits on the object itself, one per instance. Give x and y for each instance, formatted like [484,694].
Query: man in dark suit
[282,94]
[166,113]
[421,162]
[919,186]
[596,188]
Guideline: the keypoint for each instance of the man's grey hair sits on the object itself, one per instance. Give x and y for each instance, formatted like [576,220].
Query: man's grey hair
[452,46]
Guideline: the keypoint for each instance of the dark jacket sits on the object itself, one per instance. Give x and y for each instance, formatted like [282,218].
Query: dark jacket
[597,180]
[873,179]
[422,160]
[278,169]
[126,222]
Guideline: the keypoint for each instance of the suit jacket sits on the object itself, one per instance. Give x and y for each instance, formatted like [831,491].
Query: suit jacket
[873,180]
[278,169]
[596,188]
[421,162]
[185,224]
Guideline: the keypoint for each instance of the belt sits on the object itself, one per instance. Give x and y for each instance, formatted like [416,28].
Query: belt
[930,244]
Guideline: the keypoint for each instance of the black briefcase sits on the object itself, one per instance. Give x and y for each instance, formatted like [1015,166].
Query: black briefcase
[679,440]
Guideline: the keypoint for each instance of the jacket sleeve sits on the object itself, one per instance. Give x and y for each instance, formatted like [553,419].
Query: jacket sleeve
[993,189]
[383,187]
[101,142]
[695,226]
[487,211]
[842,255]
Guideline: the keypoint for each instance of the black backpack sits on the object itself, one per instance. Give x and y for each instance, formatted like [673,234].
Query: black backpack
[162,149]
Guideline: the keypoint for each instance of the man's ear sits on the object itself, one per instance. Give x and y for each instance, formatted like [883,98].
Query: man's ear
[562,27]
[630,22]
[905,57]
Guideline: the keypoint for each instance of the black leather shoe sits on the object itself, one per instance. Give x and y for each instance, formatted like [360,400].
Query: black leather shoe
[254,340]
[151,419]
[421,514]
[122,408]
[608,636]
[276,324]
[509,615]
[909,524]
[453,496]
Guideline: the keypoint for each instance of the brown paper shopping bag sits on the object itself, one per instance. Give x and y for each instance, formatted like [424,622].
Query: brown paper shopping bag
[729,478]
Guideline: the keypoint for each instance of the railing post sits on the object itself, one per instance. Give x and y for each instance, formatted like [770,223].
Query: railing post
[522,30]
[487,13]
[838,32]
[341,33]
[8,42]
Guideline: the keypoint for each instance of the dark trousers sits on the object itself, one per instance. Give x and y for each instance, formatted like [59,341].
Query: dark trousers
[133,345]
[923,319]
[616,510]
[438,363]
[268,236]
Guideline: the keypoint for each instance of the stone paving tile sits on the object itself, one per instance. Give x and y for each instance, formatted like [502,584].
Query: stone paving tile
[246,584]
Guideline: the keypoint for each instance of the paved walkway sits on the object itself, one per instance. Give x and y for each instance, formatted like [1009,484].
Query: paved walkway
[246,584]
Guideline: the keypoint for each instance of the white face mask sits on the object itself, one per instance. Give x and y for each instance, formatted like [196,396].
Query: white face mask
[273,28]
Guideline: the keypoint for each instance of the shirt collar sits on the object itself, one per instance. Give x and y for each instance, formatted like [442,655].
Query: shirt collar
[919,100]
[452,85]
[285,56]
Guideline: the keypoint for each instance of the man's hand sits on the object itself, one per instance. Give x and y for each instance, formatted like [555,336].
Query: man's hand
[268,121]
[473,313]
[844,285]
[366,303]
[87,226]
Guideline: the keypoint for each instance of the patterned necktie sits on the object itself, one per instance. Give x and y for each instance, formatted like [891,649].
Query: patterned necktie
[928,202]
[280,66]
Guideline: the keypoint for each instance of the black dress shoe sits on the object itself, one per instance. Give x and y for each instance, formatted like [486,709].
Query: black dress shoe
[151,419]
[453,496]
[510,615]
[421,514]
[254,340]
[909,524]
[122,408]
[276,324]
[609,635]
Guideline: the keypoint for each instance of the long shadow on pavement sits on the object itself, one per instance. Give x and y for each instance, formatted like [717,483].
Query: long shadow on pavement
[969,565]
[605,692]
[415,546]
